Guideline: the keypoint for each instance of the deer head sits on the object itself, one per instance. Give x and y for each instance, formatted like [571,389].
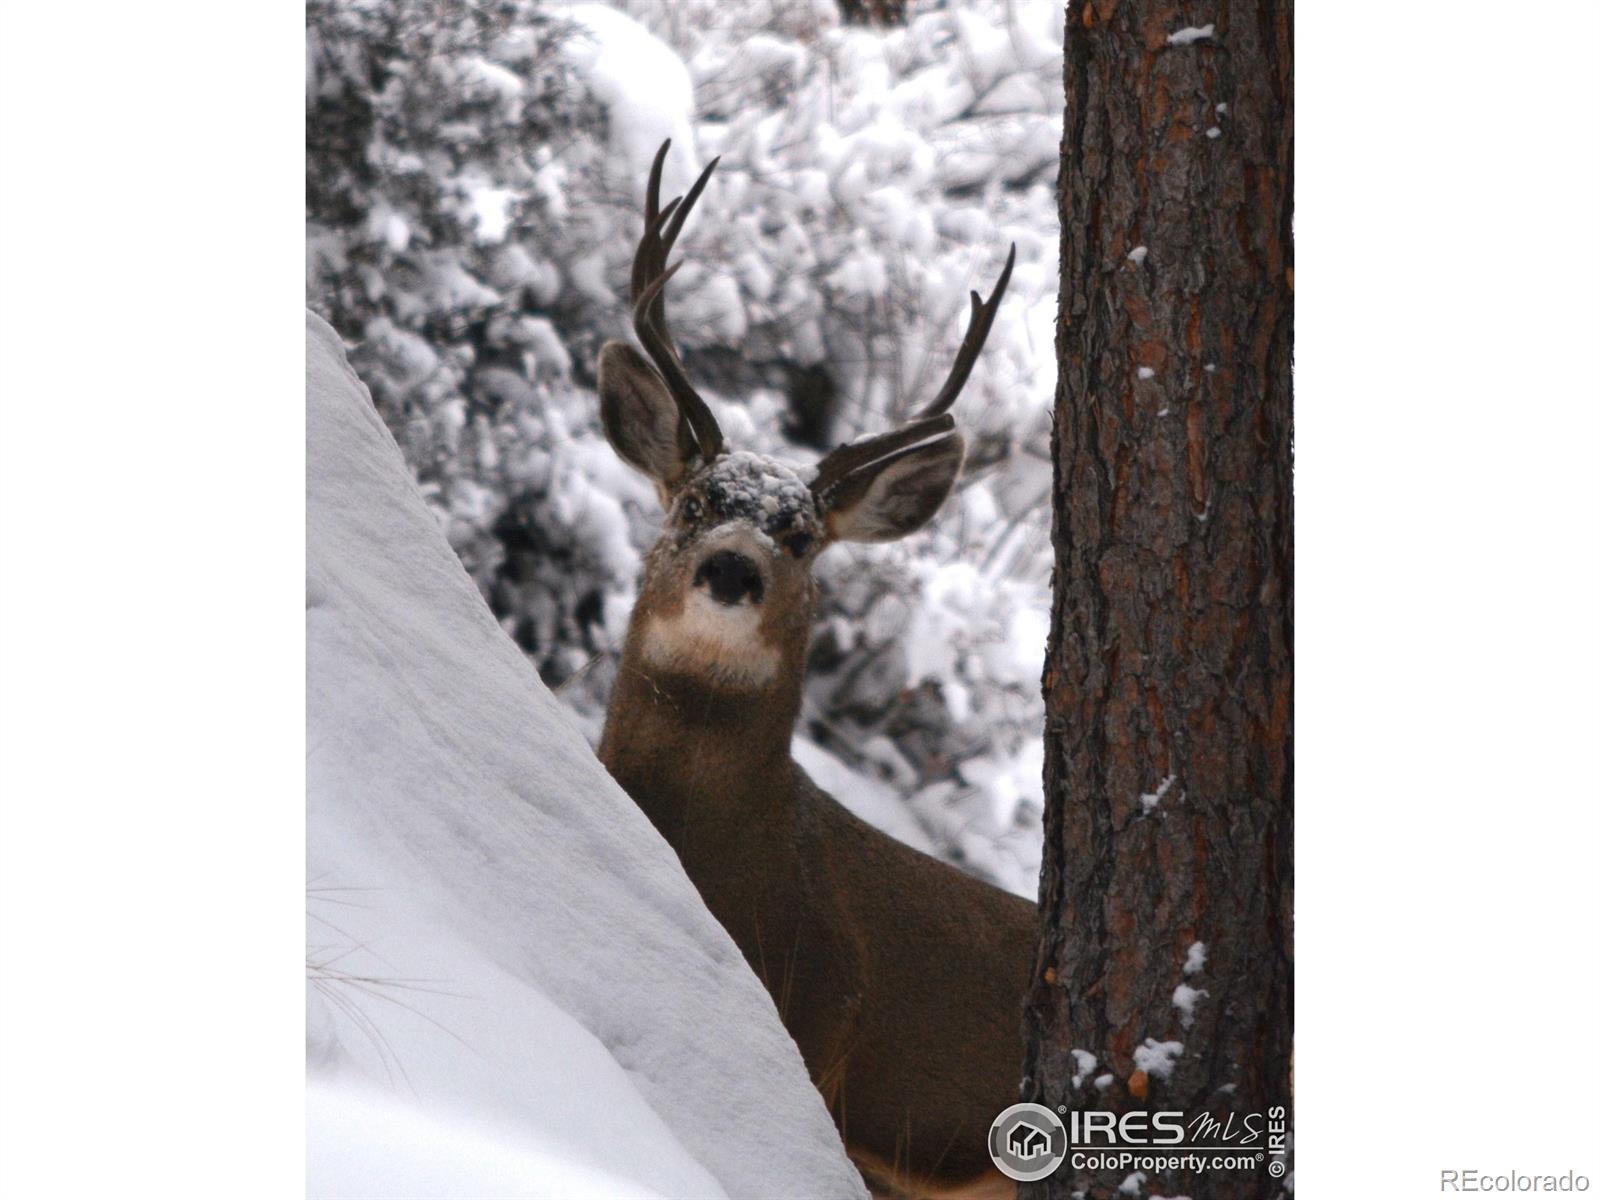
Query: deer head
[728,592]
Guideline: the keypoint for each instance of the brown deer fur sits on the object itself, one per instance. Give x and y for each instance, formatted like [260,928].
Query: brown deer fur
[899,978]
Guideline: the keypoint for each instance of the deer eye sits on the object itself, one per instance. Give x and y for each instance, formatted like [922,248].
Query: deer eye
[798,544]
[691,509]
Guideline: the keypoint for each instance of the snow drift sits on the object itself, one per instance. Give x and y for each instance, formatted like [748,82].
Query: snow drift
[506,964]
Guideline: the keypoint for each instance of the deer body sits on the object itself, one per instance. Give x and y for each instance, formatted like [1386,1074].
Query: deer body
[900,978]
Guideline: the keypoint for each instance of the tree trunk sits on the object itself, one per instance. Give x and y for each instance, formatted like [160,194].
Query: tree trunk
[1168,682]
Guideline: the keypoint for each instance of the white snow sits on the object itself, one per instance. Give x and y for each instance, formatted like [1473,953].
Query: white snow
[1149,800]
[862,273]
[1147,372]
[1157,1058]
[363,1143]
[509,976]
[1137,255]
[1184,998]
[1214,132]
[645,89]
[757,488]
[1102,1082]
[491,209]
[1086,1065]
[1190,35]
[480,72]
[391,226]
[1195,960]
[1132,1185]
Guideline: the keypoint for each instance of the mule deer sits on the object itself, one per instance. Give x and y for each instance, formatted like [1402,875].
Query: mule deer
[900,978]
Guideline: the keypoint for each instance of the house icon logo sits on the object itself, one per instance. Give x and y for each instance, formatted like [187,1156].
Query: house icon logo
[1027,1142]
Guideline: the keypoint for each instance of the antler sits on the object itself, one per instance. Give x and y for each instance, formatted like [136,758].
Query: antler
[934,419]
[650,275]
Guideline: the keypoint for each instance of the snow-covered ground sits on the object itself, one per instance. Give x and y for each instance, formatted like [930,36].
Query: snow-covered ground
[513,989]
[369,1144]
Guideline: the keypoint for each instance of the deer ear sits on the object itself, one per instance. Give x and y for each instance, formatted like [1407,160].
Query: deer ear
[896,495]
[641,419]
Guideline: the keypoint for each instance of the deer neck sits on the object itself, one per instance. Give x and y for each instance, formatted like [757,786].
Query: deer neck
[693,753]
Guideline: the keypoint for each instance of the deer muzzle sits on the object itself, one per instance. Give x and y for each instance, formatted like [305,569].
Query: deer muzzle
[731,577]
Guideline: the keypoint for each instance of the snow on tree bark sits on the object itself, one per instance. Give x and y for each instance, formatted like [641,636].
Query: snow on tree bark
[1166,888]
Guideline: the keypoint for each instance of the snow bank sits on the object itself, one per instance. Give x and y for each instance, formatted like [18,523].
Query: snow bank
[645,89]
[500,947]
[363,1143]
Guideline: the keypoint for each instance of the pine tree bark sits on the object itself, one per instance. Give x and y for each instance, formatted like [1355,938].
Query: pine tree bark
[1168,680]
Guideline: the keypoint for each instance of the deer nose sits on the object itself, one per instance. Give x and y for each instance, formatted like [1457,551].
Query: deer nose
[731,577]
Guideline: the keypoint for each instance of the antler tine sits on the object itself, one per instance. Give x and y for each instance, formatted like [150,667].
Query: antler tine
[649,280]
[934,419]
[648,259]
[657,342]
[676,222]
[983,313]
[652,191]
[663,224]
[845,459]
